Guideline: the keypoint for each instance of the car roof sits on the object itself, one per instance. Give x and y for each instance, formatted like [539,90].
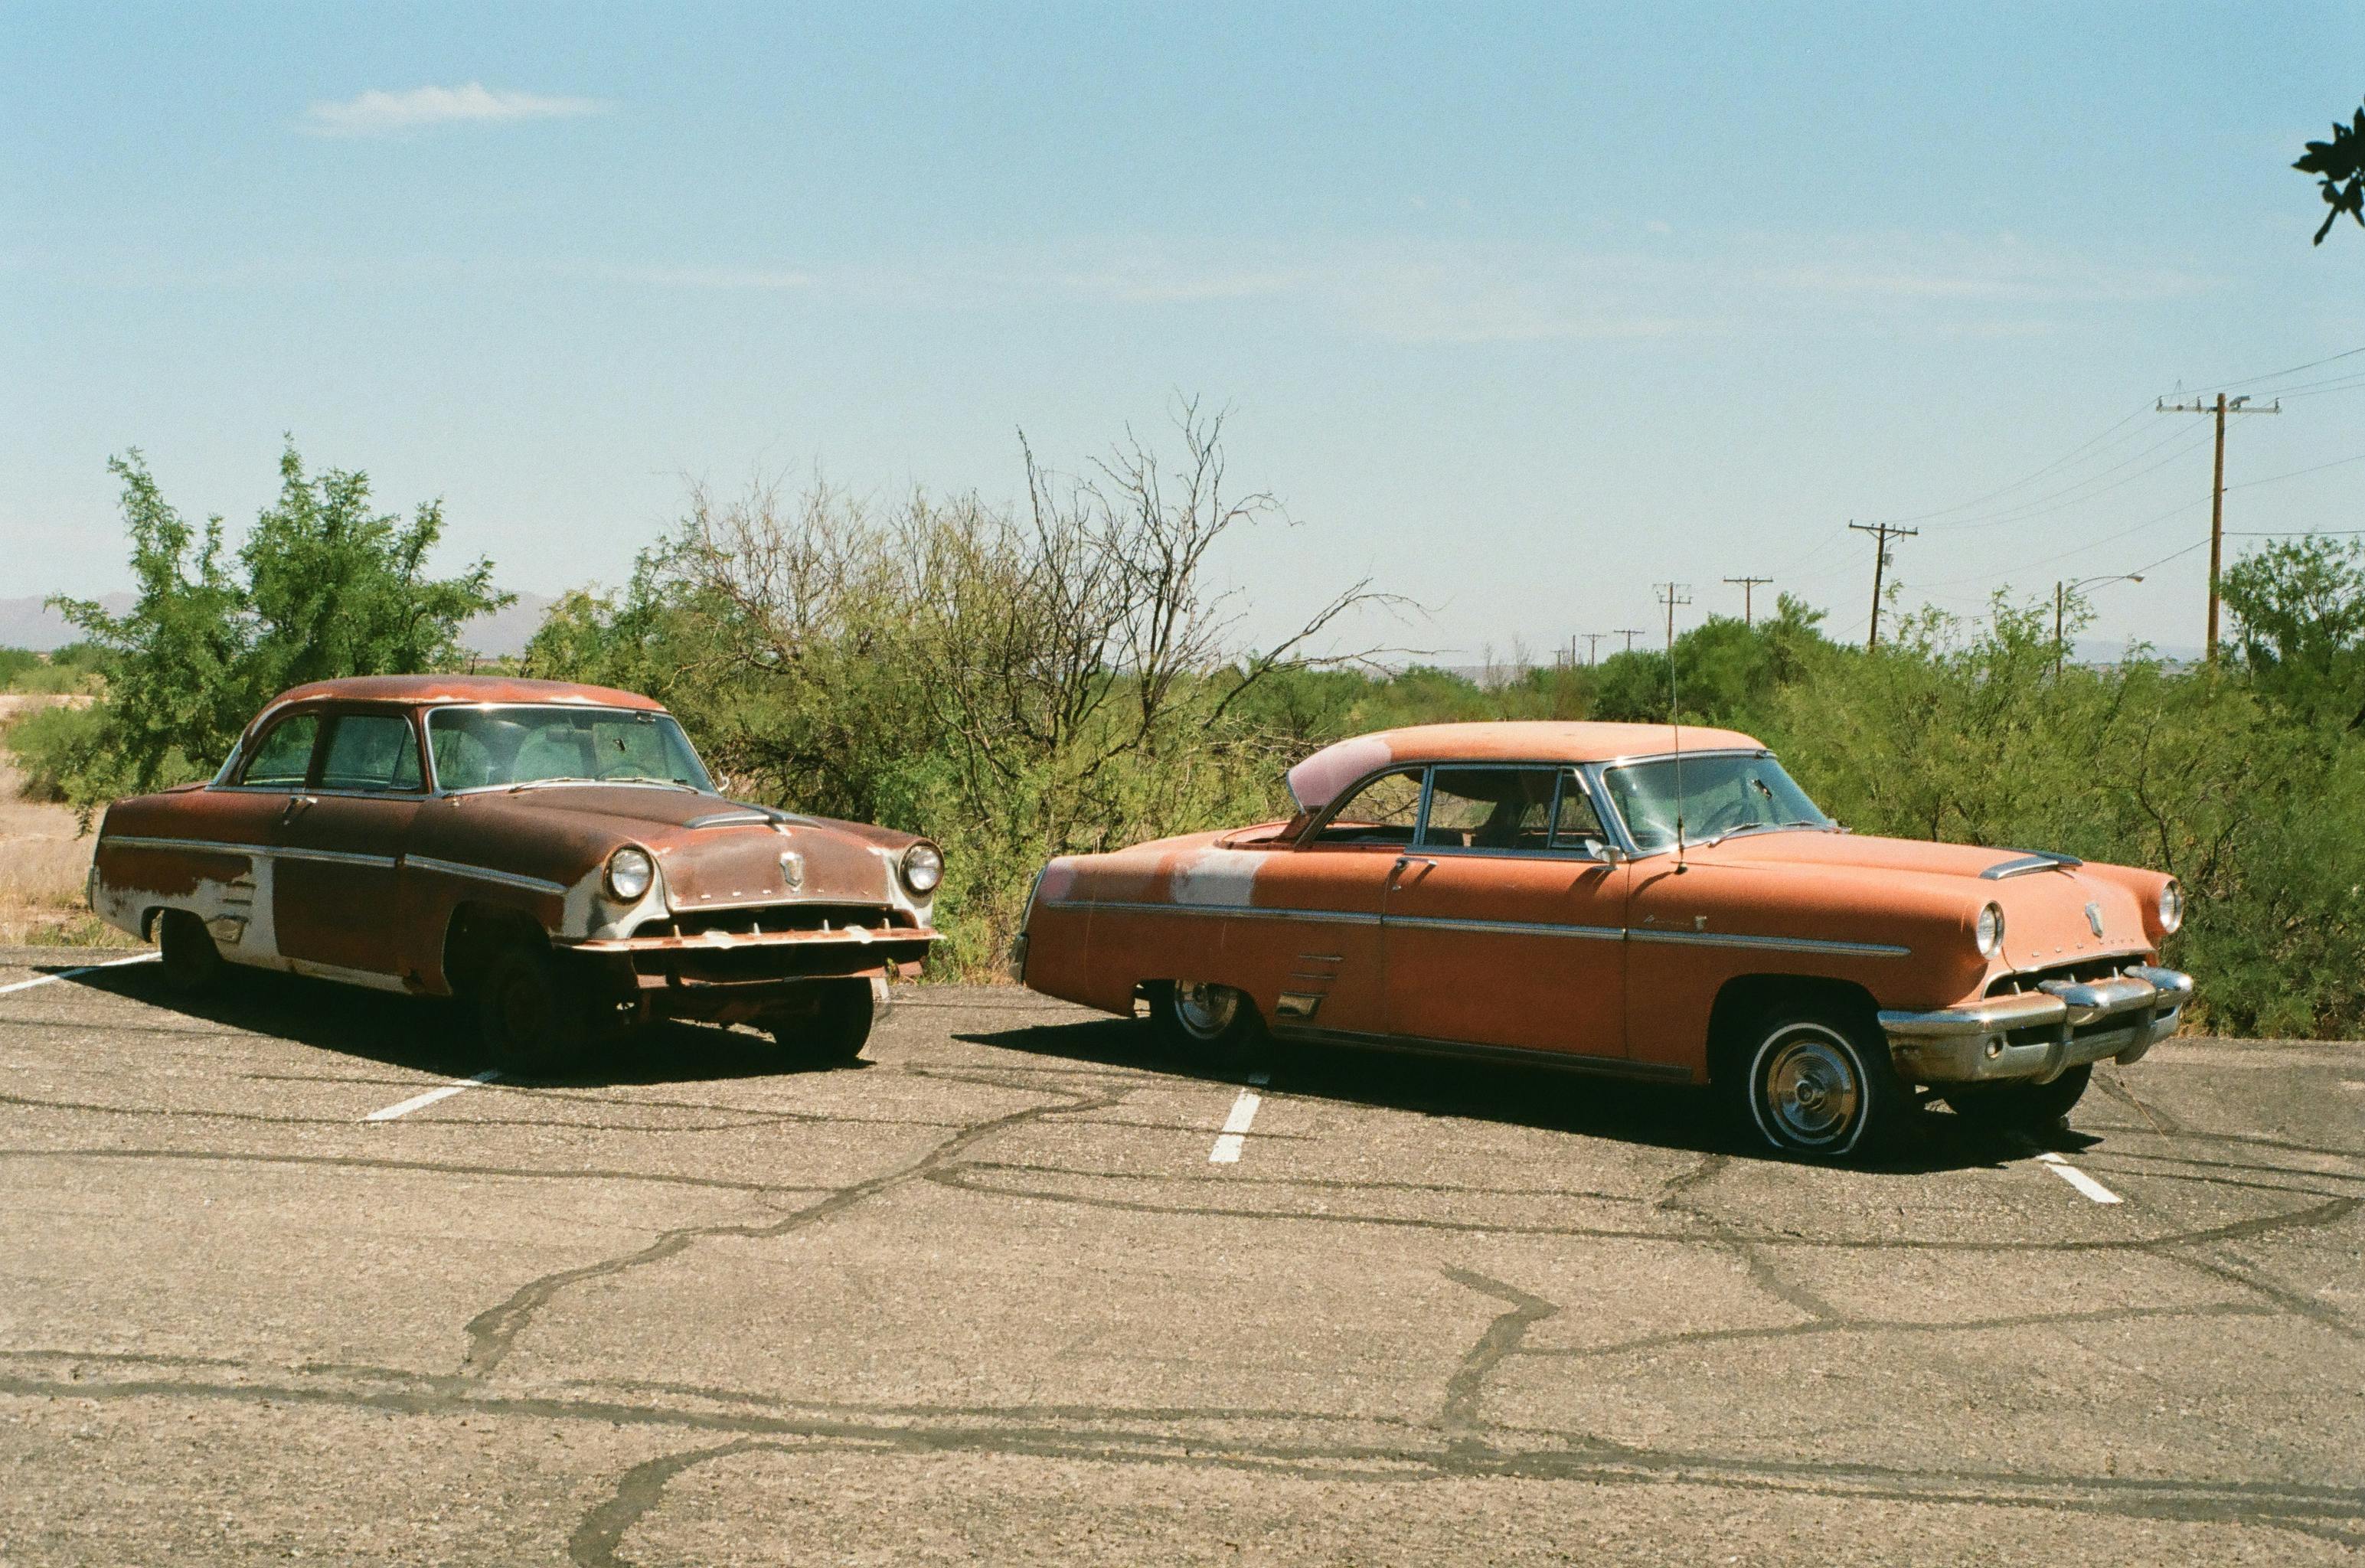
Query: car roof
[464,688]
[1317,781]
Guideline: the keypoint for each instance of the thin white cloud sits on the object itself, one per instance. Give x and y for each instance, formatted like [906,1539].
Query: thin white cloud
[380,113]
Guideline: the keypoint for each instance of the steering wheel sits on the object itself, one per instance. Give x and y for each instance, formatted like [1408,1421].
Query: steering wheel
[1729,816]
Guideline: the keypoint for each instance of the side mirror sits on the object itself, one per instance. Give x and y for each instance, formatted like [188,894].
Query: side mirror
[1611,854]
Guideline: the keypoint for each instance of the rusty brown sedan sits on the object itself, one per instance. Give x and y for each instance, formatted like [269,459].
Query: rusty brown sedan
[555,854]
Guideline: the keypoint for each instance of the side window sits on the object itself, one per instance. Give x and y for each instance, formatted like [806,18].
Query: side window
[1382,812]
[1490,808]
[369,751]
[1578,826]
[284,754]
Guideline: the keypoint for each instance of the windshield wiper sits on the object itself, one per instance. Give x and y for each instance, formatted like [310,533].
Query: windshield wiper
[1757,827]
[552,778]
[645,778]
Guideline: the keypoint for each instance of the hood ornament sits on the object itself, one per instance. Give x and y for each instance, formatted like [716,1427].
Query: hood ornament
[792,870]
[2094,919]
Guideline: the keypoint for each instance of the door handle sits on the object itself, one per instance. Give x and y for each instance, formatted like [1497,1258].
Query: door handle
[295,801]
[1404,860]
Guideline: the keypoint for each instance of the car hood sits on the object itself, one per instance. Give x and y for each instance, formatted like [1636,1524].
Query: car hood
[714,852]
[2051,911]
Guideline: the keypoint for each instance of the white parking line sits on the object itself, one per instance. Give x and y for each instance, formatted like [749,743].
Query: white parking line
[455,1086]
[2078,1179]
[1236,1126]
[68,974]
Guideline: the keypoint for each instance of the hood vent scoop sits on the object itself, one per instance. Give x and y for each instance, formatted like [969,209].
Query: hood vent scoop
[2038,861]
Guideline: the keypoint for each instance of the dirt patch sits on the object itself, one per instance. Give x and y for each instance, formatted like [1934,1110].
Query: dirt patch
[44,858]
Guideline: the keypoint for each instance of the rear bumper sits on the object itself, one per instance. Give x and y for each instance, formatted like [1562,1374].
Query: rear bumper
[2035,1037]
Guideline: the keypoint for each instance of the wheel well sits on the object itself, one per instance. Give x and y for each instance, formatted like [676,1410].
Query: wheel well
[477,932]
[1744,999]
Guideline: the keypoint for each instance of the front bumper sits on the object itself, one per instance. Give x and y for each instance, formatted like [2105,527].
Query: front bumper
[2035,1037]
[724,958]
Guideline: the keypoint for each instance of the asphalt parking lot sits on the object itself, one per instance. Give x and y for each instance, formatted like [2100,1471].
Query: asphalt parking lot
[1015,1289]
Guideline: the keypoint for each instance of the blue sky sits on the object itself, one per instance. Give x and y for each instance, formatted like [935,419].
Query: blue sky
[1519,310]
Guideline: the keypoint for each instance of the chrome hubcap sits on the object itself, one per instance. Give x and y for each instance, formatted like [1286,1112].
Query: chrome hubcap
[1811,1090]
[1204,1011]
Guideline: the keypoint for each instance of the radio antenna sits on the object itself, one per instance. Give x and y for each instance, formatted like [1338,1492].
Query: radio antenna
[1671,595]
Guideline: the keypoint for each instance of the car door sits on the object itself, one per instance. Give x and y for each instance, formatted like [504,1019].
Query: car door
[1504,925]
[1320,902]
[338,847]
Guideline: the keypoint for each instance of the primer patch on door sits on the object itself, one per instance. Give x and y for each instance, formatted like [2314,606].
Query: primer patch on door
[1059,880]
[1213,876]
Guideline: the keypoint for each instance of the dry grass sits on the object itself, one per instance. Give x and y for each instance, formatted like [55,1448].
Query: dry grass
[44,860]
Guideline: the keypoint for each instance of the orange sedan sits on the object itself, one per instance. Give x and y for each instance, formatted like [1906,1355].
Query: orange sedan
[1628,900]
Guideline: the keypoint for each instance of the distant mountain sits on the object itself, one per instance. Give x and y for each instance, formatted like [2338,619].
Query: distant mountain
[27,623]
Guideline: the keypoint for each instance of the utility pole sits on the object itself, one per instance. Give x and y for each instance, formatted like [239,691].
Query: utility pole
[1884,533]
[1667,596]
[1747,584]
[2216,487]
[1592,646]
[1630,633]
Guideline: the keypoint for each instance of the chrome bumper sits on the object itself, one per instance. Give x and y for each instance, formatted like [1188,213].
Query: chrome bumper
[2039,1035]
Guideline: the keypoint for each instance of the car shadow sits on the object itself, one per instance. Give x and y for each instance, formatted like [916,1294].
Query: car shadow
[1548,1099]
[439,1036]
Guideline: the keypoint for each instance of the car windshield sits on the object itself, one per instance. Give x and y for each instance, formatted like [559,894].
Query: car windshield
[1720,795]
[491,747]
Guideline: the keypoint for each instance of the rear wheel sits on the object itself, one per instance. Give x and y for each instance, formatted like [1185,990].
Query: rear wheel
[190,961]
[1214,1023]
[2036,1110]
[1820,1083]
[528,1017]
[832,1027]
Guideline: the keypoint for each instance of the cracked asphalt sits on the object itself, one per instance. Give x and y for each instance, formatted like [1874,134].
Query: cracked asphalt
[986,1298]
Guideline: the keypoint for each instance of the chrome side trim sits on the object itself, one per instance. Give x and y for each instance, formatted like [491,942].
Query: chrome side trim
[1507,927]
[335,856]
[1237,911]
[1773,944]
[2039,860]
[485,874]
[203,846]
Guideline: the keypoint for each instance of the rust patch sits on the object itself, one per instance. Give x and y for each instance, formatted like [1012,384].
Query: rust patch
[167,873]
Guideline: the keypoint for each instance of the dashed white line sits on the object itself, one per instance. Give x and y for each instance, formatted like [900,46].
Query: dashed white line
[84,970]
[1236,1126]
[416,1101]
[2078,1179]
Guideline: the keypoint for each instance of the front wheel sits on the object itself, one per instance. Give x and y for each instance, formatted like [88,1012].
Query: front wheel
[2036,1110]
[1215,1023]
[528,1017]
[1820,1085]
[833,1026]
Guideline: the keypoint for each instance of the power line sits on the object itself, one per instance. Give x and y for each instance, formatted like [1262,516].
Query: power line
[2025,511]
[1630,633]
[2292,370]
[2063,461]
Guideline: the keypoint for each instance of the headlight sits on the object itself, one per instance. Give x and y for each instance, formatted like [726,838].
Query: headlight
[629,872]
[923,867]
[2171,907]
[1988,932]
